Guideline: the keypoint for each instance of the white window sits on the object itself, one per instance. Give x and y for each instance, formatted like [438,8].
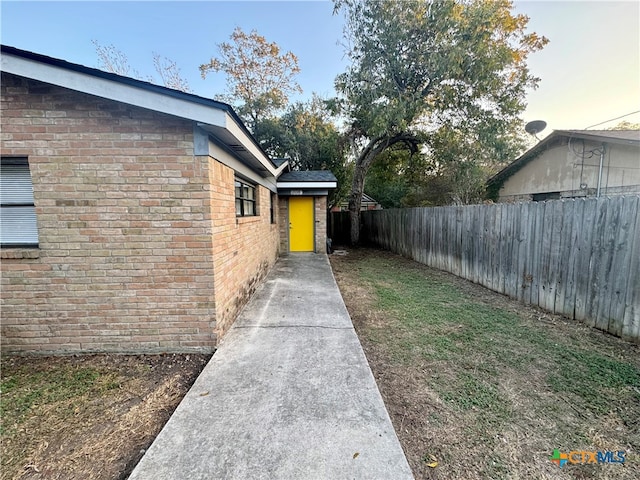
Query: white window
[18,226]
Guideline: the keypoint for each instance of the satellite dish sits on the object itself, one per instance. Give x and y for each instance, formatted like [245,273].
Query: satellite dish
[535,127]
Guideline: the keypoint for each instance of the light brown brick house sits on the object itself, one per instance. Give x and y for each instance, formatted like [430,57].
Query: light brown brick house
[135,218]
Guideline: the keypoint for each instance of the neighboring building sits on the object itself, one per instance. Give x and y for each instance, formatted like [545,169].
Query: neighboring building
[368,203]
[572,163]
[135,218]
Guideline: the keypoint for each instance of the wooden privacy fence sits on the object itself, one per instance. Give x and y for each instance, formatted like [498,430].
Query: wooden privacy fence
[579,258]
[339,228]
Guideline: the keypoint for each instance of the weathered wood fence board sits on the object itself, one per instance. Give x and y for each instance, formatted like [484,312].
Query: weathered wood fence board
[631,298]
[579,257]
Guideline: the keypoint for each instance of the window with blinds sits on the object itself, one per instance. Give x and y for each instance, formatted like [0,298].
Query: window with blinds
[18,227]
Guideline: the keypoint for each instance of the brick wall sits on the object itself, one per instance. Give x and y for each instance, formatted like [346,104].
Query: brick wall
[320,204]
[245,248]
[283,216]
[130,224]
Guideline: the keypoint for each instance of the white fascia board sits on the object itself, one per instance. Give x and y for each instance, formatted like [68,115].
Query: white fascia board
[111,90]
[135,96]
[232,126]
[281,168]
[230,161]
[307,184]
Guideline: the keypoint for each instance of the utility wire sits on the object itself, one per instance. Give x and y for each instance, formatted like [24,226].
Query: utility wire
[607,121]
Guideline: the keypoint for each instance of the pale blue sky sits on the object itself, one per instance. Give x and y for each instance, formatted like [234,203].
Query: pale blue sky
[590,70]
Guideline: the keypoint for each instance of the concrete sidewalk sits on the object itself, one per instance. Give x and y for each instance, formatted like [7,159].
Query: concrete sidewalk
[288,395]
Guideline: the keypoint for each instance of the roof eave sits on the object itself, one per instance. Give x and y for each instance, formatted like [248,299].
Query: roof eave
[323,185]
[282,169]
[598,137]
[136,93]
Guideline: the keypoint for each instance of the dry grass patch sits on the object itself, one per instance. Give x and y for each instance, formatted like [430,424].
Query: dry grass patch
[483,385]
[87,417]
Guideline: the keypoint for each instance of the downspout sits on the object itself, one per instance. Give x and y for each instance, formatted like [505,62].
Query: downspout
[600,170]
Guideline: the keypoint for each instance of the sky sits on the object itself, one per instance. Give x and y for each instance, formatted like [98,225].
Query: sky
[589,71]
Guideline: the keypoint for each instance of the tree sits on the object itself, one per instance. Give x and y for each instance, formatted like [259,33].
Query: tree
[450,168]
[398,177]
[169,73]
[259,77]
[386,179]
[307,136]
[625,125]
[115,61]
[421,66]
[465,158]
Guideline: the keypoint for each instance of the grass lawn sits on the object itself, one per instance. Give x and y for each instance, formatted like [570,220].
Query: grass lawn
[480,386]
[87,417]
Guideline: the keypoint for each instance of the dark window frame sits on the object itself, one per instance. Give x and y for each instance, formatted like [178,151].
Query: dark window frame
[273,203]
[245,198]
[24,162]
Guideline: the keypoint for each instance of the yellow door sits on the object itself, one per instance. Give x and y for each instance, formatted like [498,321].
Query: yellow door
[301,224]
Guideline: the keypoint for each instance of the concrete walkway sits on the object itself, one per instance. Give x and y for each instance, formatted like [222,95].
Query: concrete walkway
[288,395]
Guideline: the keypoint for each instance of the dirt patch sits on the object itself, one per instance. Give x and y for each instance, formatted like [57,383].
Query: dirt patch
[87,417]
[480,386]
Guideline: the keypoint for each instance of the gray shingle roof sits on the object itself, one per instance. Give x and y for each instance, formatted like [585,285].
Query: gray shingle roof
[308,176]
[278,161]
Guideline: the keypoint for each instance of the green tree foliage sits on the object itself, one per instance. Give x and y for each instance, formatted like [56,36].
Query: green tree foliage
[386,179]
[306,135]
[449,169]
[427,66]
[395,179]
[259,77]
[466,158]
